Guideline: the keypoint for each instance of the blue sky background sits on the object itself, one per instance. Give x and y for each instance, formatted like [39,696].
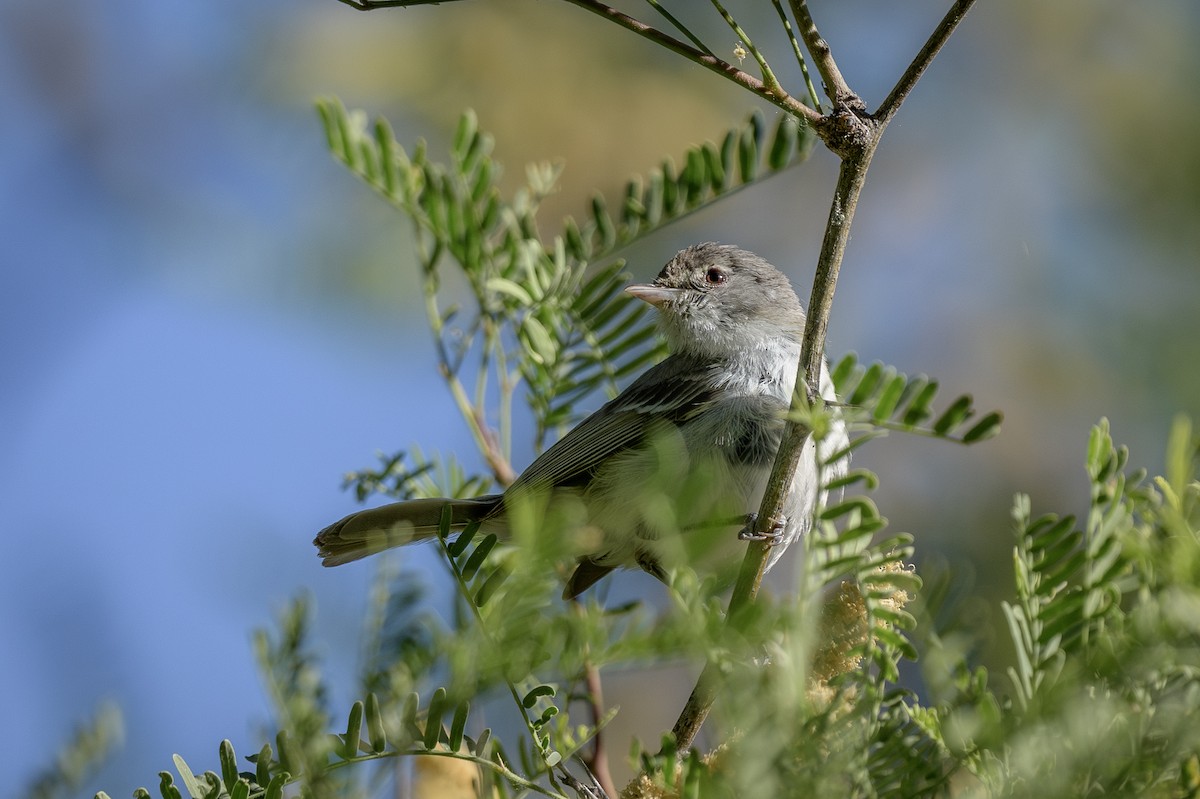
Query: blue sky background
[205,322]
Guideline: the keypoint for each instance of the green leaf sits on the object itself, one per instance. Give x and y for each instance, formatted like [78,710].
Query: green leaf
[229,765]
[672,196]
[868,478]
[918,410]
[466,135]
[748,144]
[478,556]
[433,719]
[276,786]
[480,747]
[190,783]
[490,585]
[353,731]
[376,733]
[783,144]
[459,545]
[867,384]
[653,200]
[842,371]
[262,765]
[862,504]
[889,396]
[385,141]
[958,412]
[166,786]
[632,208]
[503,286]
[457,725]
[287,752]
[213,787]
[530,699]
[409,716]
[542,348]
[714,167]
[605,231]
[694,179]
[985,428]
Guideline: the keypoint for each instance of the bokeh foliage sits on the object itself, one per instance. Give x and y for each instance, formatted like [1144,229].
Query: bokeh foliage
[1101,620]
[1102,617]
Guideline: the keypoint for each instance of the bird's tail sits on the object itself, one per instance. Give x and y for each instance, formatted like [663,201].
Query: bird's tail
[370,531]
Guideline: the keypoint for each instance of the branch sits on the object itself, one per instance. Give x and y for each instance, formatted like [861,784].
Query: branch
[598,762]
[776,96]
[679,26]
[787,27]
[371,5]
[768,75]
[854,139]
[837,232]
[922,60]
[773,94]
[835,85]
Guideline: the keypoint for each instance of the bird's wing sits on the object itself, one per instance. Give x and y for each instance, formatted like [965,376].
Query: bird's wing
[660,395]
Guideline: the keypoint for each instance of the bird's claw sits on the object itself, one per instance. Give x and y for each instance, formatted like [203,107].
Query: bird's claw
[773,536]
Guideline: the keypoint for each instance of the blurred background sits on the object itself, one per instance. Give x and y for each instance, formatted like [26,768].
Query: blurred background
[205,321]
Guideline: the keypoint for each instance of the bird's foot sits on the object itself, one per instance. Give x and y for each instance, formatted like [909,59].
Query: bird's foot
[772,536]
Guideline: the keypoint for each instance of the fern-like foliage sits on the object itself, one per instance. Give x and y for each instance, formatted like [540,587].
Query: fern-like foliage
[575,331]
[883,398]
[1069,582]
[1104,692]
[1106,685]
[1102,701]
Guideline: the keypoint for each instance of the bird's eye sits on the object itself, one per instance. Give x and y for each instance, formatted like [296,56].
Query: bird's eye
[715,277]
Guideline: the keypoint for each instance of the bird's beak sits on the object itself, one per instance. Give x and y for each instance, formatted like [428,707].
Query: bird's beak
[655,295]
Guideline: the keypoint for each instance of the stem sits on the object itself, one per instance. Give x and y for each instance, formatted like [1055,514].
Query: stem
[371,5]
[791,34]
[774,95]
[851,178]
[508,385]
[841,213]
[769,79]
[835,85]
[598,762]
[465,592]
[485,439]
[922,60]
[679,26]
[708,61]
[499,768]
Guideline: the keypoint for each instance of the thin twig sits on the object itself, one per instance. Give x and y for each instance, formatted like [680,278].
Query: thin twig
[679,26]
[856,152]
[371,5]
[835,85]
[464,592]
[837,232]
[489,444]
[598,762]
[922,60]
[776,96]
[768,76]
[498,767]
[791,34]
[711,62]
[851,176]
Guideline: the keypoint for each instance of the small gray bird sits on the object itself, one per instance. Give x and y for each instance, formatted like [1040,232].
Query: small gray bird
[688,446]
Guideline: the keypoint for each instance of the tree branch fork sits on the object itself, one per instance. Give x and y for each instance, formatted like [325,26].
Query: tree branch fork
[852,133]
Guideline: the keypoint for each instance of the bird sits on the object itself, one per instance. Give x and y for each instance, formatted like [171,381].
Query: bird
[687,446]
